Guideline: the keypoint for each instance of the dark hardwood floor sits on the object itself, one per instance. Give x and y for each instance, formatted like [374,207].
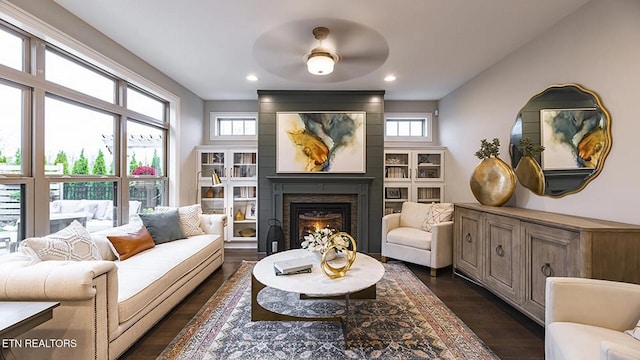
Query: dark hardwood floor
[507,332]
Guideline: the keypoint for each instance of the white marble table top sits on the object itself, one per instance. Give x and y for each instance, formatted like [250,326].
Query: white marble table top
[364,272]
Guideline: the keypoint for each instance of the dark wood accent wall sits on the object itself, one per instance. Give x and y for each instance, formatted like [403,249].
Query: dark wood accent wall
[270,102]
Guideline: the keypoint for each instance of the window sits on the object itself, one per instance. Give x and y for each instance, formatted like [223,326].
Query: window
[232,125]
[145,104]
[73,74]
[78,139]
[11,113]
[146,164]
[68,140]
[13,49]
[408,127]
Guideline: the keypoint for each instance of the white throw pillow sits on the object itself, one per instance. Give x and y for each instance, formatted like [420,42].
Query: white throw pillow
[71,243]
[437,213]
[635,332]
[189,218]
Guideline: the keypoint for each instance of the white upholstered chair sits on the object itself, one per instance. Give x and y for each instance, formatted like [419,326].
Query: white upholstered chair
[420,234]
[585,319]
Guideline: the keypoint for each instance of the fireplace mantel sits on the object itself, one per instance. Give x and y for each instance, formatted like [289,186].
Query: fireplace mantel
[334,185]
[319,179]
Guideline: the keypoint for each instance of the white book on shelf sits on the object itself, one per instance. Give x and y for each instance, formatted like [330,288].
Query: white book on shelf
[293,265]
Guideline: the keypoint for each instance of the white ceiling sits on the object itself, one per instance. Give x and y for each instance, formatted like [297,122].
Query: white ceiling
[210,46]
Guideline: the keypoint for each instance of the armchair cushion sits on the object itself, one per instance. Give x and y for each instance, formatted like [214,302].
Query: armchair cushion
[407,236]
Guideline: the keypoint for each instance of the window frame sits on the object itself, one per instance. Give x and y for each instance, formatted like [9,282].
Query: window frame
[214,125]
[428,126]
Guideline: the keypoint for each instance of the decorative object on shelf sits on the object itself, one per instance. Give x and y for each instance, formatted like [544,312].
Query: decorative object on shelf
[339,242]
[528,170]
[318,242]
[247,232]
[493,181]
[250,211]
[239,215]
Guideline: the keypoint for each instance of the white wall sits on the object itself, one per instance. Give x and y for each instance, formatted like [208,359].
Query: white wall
[190,108]
[597,47]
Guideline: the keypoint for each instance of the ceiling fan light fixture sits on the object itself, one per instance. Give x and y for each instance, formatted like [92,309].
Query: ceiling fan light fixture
[320,62]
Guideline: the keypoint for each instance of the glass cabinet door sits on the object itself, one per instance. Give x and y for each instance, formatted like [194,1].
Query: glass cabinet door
[244,165]
[244,211]
[429,166]
[394,196]
[210,162]
[396,166]
[212,199]
[429,193]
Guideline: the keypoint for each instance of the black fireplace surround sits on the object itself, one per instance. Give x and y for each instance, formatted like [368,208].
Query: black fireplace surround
[307,217]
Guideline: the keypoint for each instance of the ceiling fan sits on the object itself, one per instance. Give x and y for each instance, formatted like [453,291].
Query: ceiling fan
[287,51]
[321,61]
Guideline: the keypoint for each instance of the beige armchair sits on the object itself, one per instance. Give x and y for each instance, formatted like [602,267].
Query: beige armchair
[420,234]
[586,319]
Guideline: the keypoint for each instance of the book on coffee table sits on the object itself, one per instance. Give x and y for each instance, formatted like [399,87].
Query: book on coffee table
[303,271]
[293,265]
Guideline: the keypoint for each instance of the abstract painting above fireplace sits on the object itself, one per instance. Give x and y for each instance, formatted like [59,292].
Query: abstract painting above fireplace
[320,142]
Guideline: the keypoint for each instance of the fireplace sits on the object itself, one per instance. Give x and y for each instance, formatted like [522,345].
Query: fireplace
[307,217]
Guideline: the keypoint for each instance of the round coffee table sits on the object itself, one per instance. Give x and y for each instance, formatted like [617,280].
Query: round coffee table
[358,283]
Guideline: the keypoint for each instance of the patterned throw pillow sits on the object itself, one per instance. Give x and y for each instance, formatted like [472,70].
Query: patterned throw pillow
[189,218]
[71,243]
[437,213]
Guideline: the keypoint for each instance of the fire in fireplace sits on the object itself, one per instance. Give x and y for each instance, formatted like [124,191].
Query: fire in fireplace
[307,217]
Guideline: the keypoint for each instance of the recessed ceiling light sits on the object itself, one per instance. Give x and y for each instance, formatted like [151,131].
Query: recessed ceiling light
[390,78]
[252,77]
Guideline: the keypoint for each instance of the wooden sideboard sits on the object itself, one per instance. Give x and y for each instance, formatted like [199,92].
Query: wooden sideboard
[511,251]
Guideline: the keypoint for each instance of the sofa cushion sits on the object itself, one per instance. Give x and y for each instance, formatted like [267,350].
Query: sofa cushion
[582,342]
[163,226]
[412,237]
[71,243]
[437,213]
[189,218]
[413,214]
[133,243]
[143,277]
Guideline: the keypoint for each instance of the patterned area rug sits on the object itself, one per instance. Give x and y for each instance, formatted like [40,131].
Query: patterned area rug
[406,321]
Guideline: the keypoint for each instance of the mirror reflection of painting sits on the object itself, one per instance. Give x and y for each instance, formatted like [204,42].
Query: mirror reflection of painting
[320,142]
[573,138]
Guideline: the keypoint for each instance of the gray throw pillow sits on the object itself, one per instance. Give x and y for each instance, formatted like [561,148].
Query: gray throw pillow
[164,226]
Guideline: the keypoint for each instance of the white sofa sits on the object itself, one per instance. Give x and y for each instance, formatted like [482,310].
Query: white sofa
[585,319]
[107,305]
[405,238]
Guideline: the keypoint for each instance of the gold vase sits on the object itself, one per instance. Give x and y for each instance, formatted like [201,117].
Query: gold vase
[493,182]
[530,174]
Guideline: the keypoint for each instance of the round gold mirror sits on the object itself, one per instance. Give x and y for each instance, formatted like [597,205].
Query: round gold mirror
[573,127]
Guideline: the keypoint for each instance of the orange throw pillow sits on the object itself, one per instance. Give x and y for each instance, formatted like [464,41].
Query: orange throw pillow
[129,245]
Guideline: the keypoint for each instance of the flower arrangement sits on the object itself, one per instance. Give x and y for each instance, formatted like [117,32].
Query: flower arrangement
[318,240]
[143,170]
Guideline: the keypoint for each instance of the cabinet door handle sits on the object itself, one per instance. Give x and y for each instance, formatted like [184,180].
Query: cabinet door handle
[500,251]
[468,238]
[546,270]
